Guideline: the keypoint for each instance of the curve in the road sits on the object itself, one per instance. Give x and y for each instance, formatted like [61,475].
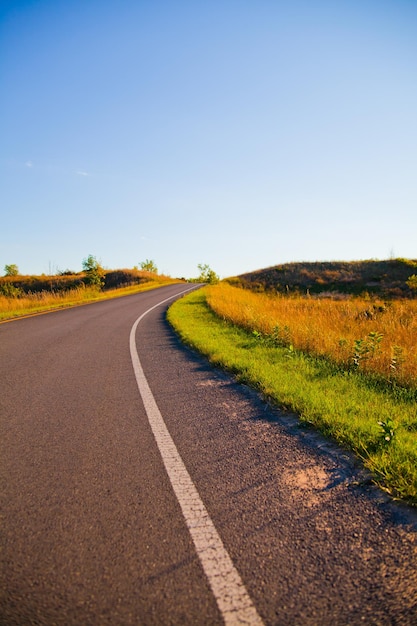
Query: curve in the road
[231,596]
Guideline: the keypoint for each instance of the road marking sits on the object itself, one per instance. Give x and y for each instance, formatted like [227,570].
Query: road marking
[232,598]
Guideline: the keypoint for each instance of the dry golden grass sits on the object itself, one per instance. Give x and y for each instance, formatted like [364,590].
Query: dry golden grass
[43,299]
[376,337]
[46,300]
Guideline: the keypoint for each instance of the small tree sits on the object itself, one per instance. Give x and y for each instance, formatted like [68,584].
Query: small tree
[207,275]
[94,273]
[148,266]
[412,282]
[11,270]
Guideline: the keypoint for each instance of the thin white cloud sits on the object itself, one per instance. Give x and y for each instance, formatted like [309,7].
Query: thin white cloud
[81,173]
[29,164]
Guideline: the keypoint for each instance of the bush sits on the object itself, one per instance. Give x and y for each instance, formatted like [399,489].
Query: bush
[11,270]
[207,275]
[94,273]
[10,290]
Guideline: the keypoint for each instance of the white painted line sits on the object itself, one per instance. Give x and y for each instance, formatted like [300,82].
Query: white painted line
[232,598]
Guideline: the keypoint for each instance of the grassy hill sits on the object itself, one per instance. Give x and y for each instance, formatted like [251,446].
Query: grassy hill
[386,279]
[24,295]
[112,279]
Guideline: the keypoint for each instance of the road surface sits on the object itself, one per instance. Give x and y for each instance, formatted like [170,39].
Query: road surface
[140,486]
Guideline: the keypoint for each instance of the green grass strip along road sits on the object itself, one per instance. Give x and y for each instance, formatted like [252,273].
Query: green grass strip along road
[378,424]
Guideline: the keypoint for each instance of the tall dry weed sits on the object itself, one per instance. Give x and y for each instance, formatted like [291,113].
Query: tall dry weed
[373,336]
[44,299]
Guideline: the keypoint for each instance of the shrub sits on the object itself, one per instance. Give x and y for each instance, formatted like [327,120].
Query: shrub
[11,270]
[94,273]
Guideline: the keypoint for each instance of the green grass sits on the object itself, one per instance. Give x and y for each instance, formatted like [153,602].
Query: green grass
[11,308]
[344,405]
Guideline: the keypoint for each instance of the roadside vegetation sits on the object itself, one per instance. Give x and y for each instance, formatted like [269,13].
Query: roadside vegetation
[25,295]
[348,367]
[371,336]
[392,278]
[206,275]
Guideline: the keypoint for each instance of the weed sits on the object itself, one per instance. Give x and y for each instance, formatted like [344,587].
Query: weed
[364,349]
[397,359]
[10,291]
[290,352]
[257,335]
[387,430]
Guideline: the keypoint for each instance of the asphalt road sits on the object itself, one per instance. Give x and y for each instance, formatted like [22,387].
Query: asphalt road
[197,504]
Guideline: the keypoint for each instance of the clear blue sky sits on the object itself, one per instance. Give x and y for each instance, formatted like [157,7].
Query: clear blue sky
[241,134]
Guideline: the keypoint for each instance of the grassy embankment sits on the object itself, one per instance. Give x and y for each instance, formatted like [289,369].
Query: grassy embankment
[47,300]
[385,279]
[347,367]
